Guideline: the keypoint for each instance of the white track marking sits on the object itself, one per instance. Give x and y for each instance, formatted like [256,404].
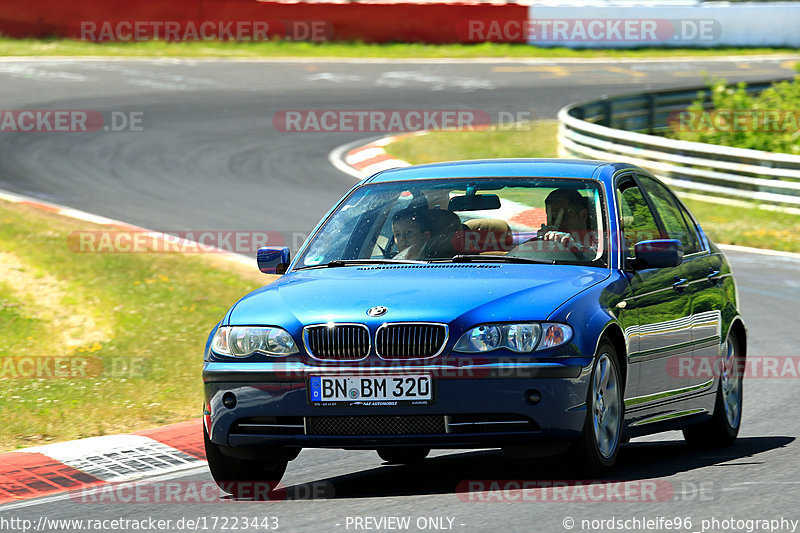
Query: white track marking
[436,82]
[334,77]
[88,217]
[117,457]
[19,70]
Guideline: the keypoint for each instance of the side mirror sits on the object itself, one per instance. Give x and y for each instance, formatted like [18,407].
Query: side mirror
[273,259]
[662,253]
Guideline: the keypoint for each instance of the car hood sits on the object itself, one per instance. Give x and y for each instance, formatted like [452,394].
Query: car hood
[436,293]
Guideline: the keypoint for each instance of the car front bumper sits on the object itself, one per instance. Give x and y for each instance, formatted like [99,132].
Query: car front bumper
[474,406]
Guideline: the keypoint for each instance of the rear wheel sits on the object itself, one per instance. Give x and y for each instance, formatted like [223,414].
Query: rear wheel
[402,456]
[241,477]
[598,446]
[723,427]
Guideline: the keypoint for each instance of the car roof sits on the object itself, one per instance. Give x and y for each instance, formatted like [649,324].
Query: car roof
[491,168]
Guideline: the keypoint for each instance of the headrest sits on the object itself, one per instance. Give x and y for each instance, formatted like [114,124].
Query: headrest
[487,235]
[494,225]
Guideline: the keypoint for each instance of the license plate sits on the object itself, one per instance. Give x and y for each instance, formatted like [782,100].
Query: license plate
[416,389]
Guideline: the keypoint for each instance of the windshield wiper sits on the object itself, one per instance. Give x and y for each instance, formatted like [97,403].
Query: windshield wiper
[349,262]
[478,258]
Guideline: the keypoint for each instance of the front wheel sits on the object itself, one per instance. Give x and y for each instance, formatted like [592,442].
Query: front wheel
[598,446]
[243,478]
[723,427]
[403,456]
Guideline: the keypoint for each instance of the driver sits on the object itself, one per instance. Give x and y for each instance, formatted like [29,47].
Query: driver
[567,220]
[411,229]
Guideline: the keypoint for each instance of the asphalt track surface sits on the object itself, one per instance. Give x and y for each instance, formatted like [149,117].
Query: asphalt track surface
[209,158]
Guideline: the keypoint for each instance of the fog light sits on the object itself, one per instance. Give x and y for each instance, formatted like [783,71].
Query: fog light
[229,400]
[533,396]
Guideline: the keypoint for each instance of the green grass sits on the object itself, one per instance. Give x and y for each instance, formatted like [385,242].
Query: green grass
[231,49]
[22,337]
[745,225]
[152,309]
[535,139]
[758,228]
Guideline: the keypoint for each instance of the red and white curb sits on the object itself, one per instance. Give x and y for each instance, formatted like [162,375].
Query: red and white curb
[65,466]
[66,211]
[372,158]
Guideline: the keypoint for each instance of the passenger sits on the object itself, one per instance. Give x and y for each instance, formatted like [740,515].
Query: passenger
[411,230]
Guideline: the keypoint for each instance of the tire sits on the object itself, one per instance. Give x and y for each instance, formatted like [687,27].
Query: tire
[596,451]
[403,456]
[723,427]
[243,478]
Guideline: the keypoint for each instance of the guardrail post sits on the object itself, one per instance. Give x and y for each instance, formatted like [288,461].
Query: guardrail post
[707,100]
[607,113]
[651,113]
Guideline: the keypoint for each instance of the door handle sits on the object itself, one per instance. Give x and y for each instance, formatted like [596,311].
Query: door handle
[680,283]
[714,275]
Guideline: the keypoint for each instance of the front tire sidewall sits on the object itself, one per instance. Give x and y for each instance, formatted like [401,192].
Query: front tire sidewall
[717,431]
[591,460]
[239,476]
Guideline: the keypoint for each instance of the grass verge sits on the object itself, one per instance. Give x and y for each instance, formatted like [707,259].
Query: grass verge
[267,49]
[740,224]
[135,324]
[536,139]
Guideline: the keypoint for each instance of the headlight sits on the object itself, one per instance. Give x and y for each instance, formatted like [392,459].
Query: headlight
[521,338]
[243,341]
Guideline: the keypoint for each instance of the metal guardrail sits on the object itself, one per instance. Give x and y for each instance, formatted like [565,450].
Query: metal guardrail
[625,128]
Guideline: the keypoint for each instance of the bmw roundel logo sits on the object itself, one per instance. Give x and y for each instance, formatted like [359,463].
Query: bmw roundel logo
[378,310]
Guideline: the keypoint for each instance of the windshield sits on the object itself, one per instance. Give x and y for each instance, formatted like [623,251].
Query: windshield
[550,220]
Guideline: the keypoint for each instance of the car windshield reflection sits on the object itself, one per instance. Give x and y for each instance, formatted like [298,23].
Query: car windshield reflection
[514,220]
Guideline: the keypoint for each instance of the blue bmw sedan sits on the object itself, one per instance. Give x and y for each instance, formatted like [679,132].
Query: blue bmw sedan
[538,306]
